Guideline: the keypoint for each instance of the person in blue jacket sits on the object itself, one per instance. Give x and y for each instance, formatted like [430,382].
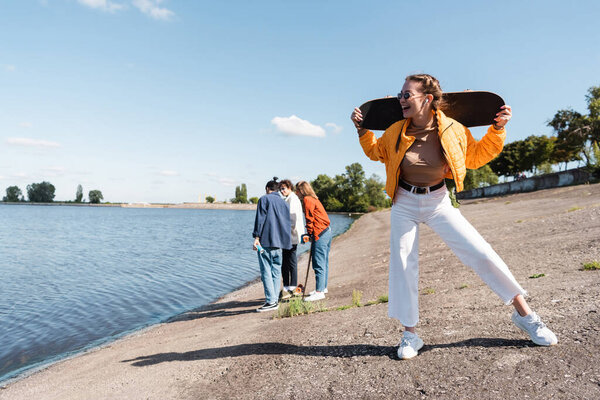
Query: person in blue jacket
[272,233]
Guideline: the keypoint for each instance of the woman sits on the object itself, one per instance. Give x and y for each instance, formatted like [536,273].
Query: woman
[271,235]
[317,225]
[289,268]
[418,153]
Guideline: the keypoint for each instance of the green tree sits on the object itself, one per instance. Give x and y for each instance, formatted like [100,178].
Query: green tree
[374,189]
[507,164]
[13,193]
[79,194]
[326,189]
[545,168]
[42,192]
[593,117]
[480,177]
[541,149]
[210,199]
[241,194]
[571,136]
[254,200]
[95,196]
[350,191]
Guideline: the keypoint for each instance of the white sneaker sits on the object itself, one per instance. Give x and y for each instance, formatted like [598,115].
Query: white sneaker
[315,296]
[409,346]
[531,324]
[314,291]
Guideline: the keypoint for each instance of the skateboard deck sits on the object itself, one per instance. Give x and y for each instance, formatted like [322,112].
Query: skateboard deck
[473,108]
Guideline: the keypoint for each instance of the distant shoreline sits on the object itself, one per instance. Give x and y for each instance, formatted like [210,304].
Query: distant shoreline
[200,206]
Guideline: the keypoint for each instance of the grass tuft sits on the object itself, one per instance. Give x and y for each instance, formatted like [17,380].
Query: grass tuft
[534,276]
[295,307]
[429,291]
[591,266]
[463,286]
[574,209]
[356,297]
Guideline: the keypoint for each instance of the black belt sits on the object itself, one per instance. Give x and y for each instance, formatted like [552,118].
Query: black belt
[419,189]
[323,231]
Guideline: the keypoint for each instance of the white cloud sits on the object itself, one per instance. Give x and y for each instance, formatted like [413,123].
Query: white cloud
[20,175]
[297,126]
[334,127]
[31,142]
[168,173]
[54,171]
[104,5]
[152,8]
[26,125]
[9,68]
[227,182]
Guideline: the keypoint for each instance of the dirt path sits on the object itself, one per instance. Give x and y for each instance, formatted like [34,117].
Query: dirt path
[472,350]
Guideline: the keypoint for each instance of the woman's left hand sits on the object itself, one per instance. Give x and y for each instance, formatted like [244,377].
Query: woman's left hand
[503,116]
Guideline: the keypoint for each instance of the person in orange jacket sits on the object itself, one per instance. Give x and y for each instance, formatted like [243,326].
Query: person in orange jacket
[318,227]
[419,152]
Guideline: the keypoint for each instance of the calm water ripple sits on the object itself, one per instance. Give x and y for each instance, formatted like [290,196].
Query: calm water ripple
[77,277]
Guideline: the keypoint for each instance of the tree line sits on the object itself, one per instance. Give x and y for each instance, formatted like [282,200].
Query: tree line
[576,139]
[43,192]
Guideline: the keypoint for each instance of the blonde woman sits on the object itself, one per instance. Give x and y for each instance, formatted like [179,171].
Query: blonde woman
[419,152]
[317,225]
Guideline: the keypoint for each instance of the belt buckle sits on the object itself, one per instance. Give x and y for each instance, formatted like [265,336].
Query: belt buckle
[420,190]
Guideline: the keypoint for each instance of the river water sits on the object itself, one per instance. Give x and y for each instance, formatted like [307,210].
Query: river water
[72,278]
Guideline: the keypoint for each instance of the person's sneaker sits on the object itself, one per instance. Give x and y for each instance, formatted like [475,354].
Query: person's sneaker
[409,346]
[531,324]
[284,295]
[267,307]
[316,296]
[314,291]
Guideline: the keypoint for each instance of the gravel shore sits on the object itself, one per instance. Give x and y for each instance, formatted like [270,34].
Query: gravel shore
[472,349]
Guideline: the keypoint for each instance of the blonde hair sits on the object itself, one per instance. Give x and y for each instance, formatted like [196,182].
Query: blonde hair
[430,86]
[305,189]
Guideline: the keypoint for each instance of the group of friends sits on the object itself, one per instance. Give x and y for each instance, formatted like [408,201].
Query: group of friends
[419,153]
[286,216]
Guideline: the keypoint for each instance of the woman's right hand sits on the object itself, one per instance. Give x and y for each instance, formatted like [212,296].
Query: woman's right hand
[356,117]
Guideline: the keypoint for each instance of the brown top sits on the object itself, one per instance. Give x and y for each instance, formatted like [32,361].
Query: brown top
[424,163]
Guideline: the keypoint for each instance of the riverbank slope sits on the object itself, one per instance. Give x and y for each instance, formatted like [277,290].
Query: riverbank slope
[472,350]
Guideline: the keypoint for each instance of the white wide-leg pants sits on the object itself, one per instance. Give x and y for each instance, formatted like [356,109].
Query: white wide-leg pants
[436,210]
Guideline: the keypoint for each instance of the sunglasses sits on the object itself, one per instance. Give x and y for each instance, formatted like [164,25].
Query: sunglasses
[407,95]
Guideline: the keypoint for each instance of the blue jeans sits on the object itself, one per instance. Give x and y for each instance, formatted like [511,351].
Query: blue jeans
[320,259]
[270,272]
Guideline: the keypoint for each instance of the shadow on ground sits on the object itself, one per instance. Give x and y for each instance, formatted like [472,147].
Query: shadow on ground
[227,309]
[345,351]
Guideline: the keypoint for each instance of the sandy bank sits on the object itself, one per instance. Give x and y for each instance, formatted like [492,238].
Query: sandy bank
[471,351]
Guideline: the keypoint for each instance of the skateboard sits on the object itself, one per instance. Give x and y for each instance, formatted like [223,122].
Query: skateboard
[471,108]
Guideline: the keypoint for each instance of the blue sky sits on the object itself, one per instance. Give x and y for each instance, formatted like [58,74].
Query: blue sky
[172,100]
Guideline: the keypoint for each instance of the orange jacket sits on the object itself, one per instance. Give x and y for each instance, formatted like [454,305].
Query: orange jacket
[460,149]
[316,217]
